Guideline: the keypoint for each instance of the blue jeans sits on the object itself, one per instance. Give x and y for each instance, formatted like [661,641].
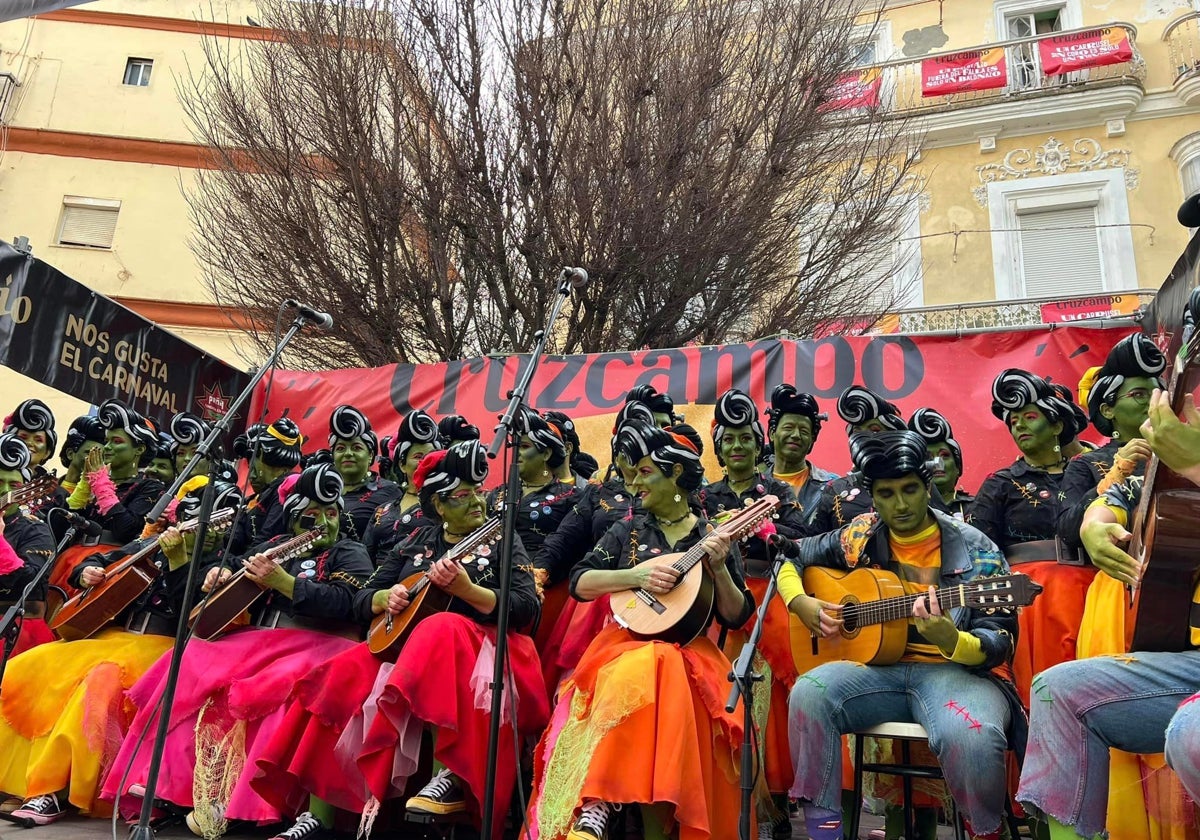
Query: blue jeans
[965,714]
[1081,709]
[1183,745]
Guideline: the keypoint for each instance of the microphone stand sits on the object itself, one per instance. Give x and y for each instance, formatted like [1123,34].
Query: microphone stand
[508,430]
[14,616]
[143,829]
[743,679]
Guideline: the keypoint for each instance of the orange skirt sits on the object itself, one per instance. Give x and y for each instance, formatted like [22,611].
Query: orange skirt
[1049,627]
[642,722]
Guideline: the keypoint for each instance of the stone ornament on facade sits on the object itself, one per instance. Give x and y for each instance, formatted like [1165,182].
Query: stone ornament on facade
[1053,158]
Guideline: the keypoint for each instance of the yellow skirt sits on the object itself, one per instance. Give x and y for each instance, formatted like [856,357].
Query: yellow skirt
[63,713]
[1145,799]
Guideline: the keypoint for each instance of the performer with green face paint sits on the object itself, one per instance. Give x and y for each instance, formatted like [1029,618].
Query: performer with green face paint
[1018,507]
[26,545]
[416,438]
[355,447]
[33,423]
[276,453]
[237,684]
[947,452]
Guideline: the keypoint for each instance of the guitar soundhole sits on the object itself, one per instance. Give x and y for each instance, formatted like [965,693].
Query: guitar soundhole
[850,617]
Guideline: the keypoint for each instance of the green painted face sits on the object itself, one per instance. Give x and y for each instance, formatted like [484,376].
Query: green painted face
[261,475]
[1033,433]
[36,441]
[532,462]
[10,480]
[946,476]
[161,468]
[412,459]
[663,419]
[184,454]
[1132,406]
[120,453]
[871,427]
[352,458]
[323,516]
[792,441]
[739,451]
[656,491]
[463,510]
[626,468]
[902,503]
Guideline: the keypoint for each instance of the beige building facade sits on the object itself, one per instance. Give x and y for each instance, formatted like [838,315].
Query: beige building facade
[96,157]
[1046,183]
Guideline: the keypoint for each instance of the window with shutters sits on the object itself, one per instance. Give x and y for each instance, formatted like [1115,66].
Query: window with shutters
[88,222]
[1060,248]
[1061,235]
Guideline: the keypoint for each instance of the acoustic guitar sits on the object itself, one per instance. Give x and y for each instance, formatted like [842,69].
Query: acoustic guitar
[30,494]
[1164,535]
[683,613]
[876,612]
[94,607]
[389,632]
[236,595]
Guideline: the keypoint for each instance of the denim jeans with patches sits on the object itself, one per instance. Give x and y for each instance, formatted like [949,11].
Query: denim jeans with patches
[1081,709]
[965,714]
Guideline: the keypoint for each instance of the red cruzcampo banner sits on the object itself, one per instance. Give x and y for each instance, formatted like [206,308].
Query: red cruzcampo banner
[950,373]
[1077,50]
[859,89]
[971,70]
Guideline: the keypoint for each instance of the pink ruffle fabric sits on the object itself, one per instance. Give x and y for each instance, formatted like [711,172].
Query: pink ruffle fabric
[10,561]
[103,490]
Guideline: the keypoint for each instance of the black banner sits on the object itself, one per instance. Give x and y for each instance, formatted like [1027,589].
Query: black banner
[1163,321]
[63,334]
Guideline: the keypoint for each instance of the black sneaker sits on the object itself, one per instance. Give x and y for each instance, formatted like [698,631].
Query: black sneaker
[39,810]
[307,827]
[443,795]
[592,822]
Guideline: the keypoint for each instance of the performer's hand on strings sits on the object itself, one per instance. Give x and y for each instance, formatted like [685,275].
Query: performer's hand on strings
[657,580]
[215,578]
[716,549]
[822,618]
[92,576]
[932,623]
[266,572]
[394,600]
[447,575]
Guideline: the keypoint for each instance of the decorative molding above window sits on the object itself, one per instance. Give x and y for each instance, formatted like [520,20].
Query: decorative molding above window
[1054,158]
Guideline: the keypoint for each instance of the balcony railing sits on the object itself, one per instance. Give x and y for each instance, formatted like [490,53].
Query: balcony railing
[1183,46]
[901,91]
[1026,312]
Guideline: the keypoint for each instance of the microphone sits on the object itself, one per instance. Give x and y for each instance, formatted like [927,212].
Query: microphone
[81,523]
[1189,212]
[318,319]
[576,278]
[786,546]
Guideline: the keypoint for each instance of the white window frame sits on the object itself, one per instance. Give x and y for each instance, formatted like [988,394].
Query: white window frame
[1105,189]
[885,48]
[1072,14]
[142,63]
[84,202]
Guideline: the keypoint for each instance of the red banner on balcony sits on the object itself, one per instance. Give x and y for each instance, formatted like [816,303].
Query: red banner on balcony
[859,89]
[971,70]
[1083,309]
[1077,50]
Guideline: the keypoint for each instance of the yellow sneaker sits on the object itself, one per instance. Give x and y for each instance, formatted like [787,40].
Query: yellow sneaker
[443,795]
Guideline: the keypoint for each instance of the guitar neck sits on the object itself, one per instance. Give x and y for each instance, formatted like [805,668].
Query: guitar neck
[736,527]
[901,606]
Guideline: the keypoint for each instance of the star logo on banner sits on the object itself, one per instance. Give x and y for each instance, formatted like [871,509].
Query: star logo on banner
[213,403]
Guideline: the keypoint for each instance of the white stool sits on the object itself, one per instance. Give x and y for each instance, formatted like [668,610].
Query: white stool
[905,733]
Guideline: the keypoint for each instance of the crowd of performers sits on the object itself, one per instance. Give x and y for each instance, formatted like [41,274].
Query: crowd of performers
[287,716]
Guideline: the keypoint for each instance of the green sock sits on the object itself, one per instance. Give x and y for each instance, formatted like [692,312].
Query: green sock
[893,822]
[322,810]
[1058,831]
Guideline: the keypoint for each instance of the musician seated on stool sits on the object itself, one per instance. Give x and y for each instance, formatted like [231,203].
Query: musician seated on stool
[1136,702]
[643,721]
[59,697]
[950,678]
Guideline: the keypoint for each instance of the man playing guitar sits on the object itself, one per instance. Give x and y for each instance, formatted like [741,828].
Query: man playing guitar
[1136,702]
[950,678]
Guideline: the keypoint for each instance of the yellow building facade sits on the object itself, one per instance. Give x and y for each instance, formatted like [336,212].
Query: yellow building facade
[1048,183]
[96,158]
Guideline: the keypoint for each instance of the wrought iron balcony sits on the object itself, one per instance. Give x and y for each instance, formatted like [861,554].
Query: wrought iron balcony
[903,90]
[1183,47]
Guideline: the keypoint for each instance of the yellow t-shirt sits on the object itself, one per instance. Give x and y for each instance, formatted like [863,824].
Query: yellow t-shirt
[796,479]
